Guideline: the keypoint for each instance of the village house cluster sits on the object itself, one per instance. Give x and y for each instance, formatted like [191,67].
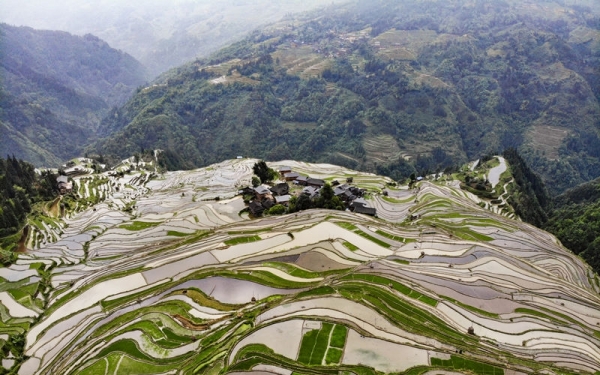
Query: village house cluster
[265,197]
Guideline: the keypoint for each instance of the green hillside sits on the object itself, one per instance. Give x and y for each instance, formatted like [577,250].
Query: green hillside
[387,87]
[575,220]
[54,90]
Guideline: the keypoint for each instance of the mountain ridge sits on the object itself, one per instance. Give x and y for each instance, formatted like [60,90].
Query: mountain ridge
[55,89]
[440,91]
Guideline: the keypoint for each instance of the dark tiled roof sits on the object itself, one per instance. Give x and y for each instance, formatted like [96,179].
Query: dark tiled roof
[281,189]
[291,175]
[310,190]
[268,203]
[315,181]
[256,208]
[359,209]
[261,190]
[283,199]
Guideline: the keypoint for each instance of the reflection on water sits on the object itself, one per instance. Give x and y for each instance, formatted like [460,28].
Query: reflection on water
[234,291]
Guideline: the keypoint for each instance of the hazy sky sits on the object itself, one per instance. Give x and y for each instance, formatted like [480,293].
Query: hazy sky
[159,33]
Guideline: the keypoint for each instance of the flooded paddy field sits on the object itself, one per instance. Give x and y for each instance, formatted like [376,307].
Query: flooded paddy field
[163,276]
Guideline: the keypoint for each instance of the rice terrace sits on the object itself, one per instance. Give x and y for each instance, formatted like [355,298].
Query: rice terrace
[168,273]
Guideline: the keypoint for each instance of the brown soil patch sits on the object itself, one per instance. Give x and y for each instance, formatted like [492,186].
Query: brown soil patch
[547,139]
[54,209]
[21,248]
[315,261]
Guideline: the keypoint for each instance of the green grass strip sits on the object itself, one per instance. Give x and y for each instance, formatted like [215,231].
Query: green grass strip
[334,356]
[321,344]
[175,233]
[395,238]
[239,240]
[350,246]
[380,280]
[306,347]
[138,225]
[460,363]
[338,337]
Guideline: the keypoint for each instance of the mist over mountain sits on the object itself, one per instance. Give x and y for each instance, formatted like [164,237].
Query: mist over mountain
[391,87]
[55,88]
[160,34]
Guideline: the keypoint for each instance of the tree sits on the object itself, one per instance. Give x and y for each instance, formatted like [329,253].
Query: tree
[255,181]
[262,170]
[278,209]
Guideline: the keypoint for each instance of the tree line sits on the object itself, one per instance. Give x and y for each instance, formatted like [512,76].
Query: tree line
[20,188]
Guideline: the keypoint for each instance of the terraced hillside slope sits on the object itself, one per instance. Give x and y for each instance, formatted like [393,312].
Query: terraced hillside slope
[388,87]
[168,275]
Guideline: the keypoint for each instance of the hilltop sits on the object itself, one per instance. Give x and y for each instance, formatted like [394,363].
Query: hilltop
[164,272]
[388,87]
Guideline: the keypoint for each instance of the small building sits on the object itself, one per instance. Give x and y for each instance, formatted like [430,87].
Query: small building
[283,199]
[281,189]
[261,191]
[64,186]
[359,202]
[291,176]
[365,210]
[360,206]
[315,182]
[311,191]
[302,180]
[284,170]
[338,191]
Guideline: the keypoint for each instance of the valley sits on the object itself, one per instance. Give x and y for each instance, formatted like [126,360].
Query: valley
[165,273]
[361,189]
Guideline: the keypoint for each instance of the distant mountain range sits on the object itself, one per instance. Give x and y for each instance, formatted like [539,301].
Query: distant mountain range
[160,34]
[55,88]
[388,87]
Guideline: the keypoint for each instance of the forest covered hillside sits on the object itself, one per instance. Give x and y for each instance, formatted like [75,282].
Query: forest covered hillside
[575,220]
[388,87]
[54,89]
